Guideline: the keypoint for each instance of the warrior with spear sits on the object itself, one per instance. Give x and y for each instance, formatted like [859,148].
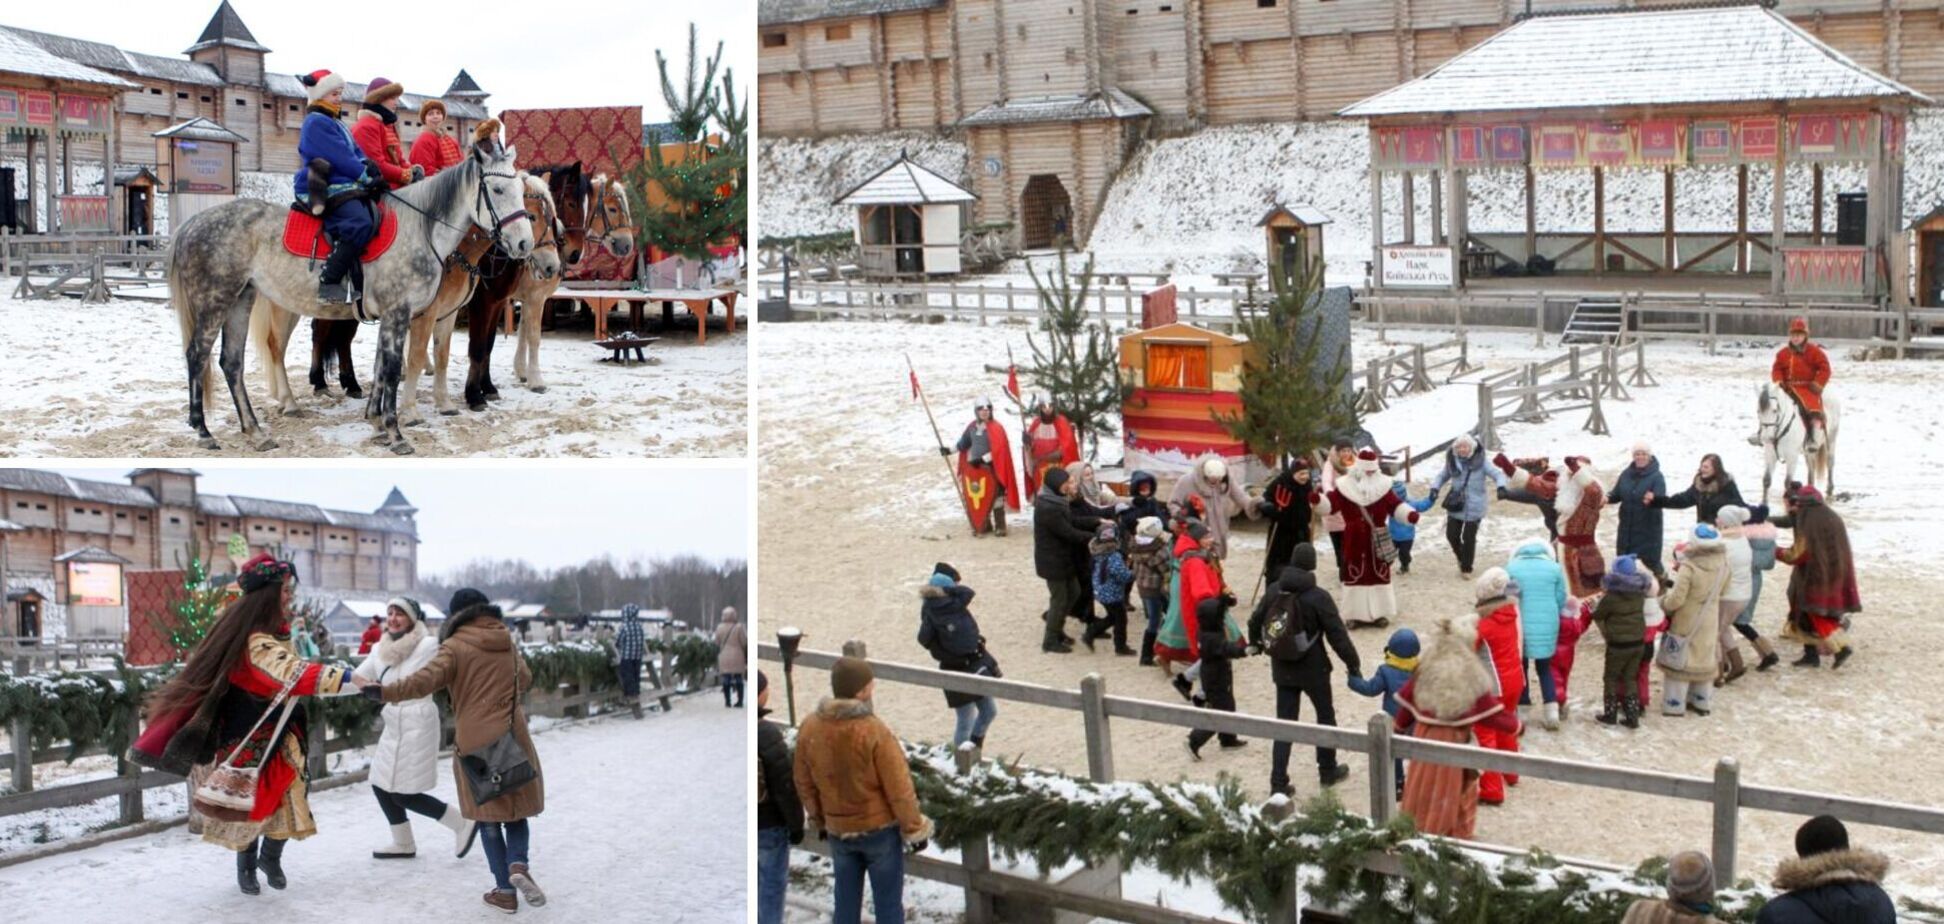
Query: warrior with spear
[985,471]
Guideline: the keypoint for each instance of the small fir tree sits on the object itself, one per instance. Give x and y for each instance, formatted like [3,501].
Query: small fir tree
[704,198]
[194,610]
[1078,365]
[1293,399]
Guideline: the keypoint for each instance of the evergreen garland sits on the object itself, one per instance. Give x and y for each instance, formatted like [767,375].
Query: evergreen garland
[1213,832]
[694,657]
[556,663]
[1293,399]
[82,709]
[1079,365]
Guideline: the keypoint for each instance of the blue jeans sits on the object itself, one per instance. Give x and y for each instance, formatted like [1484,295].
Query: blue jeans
[973,719]
[772,873]
[880,855]
[1547,691]
[629,672]
[1156,607]
[506,844]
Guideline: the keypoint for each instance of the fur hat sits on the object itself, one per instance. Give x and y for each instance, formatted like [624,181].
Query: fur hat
[1367,461]
[381,91]
[1107,530]
[849,676]
[1821,834]
[1304,557]
[1731,516]
[1149,527]
[1690,878]
[430,105]
[464,598]
[1197,530]
[1214,469]
[1490,585]
[319,83]
[1056,478]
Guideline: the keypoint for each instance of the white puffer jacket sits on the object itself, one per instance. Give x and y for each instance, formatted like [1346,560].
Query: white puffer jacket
[406,759]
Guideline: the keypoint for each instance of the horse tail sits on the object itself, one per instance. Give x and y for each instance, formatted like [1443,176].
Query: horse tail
[185,310]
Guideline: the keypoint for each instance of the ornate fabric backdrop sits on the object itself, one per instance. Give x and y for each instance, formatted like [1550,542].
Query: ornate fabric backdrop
[595,136]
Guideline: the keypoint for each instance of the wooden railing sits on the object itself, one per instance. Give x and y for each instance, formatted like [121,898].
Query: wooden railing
[1724,790]
[849,298]
[1408,371]
[1592,374]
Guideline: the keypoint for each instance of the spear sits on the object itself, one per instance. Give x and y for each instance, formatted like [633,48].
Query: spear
[919,393]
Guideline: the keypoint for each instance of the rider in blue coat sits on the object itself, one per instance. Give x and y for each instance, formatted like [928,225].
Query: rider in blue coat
[334,169]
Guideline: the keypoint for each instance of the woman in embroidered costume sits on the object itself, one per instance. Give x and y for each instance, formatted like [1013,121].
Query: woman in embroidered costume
[204,715]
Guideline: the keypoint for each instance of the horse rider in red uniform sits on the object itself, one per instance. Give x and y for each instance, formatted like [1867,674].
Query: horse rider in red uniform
[1802,369]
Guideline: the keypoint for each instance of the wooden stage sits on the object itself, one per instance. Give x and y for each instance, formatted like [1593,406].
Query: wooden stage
[602,301]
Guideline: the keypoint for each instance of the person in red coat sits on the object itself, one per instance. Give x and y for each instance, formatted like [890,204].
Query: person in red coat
[985,471]
[376,134]
[435,149]
[1450,696]
[1822,581]
[372,634]
[1802,370]
[1364,498]
[1049,443]
[1500,641]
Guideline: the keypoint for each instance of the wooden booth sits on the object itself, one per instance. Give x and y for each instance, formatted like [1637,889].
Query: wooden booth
[1183,379]
[139,188]
[1295,239]
[908,220]
[198,163]
[53,112]
[1662,89]
[1927,234]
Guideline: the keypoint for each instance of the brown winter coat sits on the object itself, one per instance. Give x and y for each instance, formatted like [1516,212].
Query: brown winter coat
[732,644]
[1663,911]
[477,665]
[1693,608]
[851,773]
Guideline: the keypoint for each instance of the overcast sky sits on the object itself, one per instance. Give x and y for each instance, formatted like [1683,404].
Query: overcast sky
[528,55]
[549,515]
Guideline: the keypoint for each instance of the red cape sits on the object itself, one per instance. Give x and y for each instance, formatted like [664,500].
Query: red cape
[1069,451]
[1002,462]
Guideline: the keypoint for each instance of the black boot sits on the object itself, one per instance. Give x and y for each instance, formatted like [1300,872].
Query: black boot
[1608,712]
[999,517]
[332,287]
[1630,712]
[1810,658]
[246,865]
[1147,649]
[978,741]
[271,860]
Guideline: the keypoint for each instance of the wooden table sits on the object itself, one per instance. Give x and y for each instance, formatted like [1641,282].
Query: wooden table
[601,301]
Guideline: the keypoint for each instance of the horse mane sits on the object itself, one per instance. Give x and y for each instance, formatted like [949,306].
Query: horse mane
[627,211]
[436,195]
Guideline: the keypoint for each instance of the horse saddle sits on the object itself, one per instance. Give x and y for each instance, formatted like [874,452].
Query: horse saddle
[304,235]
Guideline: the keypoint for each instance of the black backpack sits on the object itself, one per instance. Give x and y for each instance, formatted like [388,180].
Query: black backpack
[1288,633]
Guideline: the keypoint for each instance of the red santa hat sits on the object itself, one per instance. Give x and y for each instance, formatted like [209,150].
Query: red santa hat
[318,83]
[1799,326]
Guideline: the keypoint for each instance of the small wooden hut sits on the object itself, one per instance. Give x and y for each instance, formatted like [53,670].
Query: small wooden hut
[1183,379]
[1295,238]
[1928,235]
[908,220]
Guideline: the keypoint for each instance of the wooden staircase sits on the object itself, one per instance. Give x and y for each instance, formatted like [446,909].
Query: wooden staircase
[1594,320]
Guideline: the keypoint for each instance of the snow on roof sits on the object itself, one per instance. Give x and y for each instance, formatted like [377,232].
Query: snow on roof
[21,53]
[9,526]
[1309,215]
[1111,103]
[1649,57]
[91,553]
[174,70]
[784,12]
[903,182]
[369,521]
[286,85]
[200,129]
[525,610]
[38,482]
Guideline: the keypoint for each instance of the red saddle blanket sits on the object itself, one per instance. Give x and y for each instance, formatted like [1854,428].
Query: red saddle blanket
[302,232]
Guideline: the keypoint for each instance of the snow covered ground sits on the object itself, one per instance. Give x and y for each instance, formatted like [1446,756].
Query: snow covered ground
[802,177]
[855,507]
[107,380]
[645,821]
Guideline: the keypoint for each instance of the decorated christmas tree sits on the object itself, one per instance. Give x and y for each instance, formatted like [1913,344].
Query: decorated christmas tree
[1293,399]
[704,200]
[1078,364]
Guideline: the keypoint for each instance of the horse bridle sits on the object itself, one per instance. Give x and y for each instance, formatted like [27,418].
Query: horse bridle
[1780,426]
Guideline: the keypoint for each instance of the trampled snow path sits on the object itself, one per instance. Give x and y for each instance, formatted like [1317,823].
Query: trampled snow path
[644,821]
[108,380]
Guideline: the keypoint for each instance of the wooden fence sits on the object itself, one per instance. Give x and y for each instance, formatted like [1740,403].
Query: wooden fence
[24,657]
[1408,371]
[1592,374]
[1723,790]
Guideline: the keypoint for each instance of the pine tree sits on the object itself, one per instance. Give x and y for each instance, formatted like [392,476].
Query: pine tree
[705,201]
[195,610]
[1293,399]
[1079,366]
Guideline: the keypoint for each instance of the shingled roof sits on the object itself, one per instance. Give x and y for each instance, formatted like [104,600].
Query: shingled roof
[784,12]
[903,182]
[26,52]
[226,28]
[1645,57]
[1112,103]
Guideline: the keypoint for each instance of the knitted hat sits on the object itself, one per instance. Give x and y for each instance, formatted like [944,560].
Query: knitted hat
[1197,530]
[1490,585]
[1799,325]
[1690,877]
[940,580]
[849,676]
[1704,531]
[1304,557]
[1626,566]
[1821,834]
[409,605]
[947,570]
[1641,446]
[1149,527]
[1214,469]
[380,91]
[1403,643]
[463,599]
[318,83]
[430,105]
[1367,461]
[1056,478]
[1731,516]
[1107,530]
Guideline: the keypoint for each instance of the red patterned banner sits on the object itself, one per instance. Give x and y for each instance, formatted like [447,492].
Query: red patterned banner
[1468,146]
[38,106]
[1758,139]
[10,107]
[1508,144]
[85,114]
[1830,137]
[1558,145]
[1713,142]
[1395,149]
[1893,136]
[1608,144]
[1823,270]
[84,213]
[1659,142]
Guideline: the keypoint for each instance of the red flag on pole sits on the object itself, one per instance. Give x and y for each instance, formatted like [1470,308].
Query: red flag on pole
[914,384]
[1012,375]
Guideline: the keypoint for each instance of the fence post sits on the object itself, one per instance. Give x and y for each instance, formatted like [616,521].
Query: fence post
[1383,773]
[1420,378]
[21,734]
[973,852]
[667,679]
[131,801]
[1487,436]
[582,684]
[1596,421]
[314,747]
[1539,322]
[1640,376]
[1727,803]
[1100,745]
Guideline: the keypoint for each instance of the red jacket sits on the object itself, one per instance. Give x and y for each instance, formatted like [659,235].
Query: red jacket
[1500,630]
[372,634]
[381,146]
[435,151]
[1803,373]
[1198,582]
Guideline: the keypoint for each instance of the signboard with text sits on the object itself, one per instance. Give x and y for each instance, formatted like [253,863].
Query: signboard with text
[94,583]
[1417,268]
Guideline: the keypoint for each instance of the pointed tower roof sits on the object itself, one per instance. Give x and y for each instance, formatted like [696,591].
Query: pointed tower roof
[396,504]
[464,86]
[226,28]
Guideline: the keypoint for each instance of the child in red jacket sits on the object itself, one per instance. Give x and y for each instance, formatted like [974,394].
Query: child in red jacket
[1499,637]
[1578,618]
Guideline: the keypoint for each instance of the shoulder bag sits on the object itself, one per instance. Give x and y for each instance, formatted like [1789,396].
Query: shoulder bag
[228,793]
[500,767]
[1673,652]
[1381,544]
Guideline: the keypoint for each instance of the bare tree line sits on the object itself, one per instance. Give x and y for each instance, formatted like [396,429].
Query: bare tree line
[695,589]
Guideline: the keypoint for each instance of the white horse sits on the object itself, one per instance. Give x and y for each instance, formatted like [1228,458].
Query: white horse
[1782,433]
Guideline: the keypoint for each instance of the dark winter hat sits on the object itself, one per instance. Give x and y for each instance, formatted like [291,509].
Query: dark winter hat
[262,571]
[762,683]
[380,91]
[947,570]
[1210,611]
[1304,557]
[1403,643]
[463,599]
[1758,513]
[1690,878]
[849,677]
[1626,566]
[1290,580]
[1197,530]
[1821,834]
[1056,478]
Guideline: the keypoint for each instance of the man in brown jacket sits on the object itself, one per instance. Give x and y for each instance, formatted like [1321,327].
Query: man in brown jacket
[856,789]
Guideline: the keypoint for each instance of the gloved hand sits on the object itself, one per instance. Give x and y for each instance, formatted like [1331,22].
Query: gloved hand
[917,846]
[944,450]
[1503,494]
[1228,598]
[796,837]
[373,692]
[823,835]
[418,173]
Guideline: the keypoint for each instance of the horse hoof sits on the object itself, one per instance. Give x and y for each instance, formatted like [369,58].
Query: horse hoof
[320,391]
[415,422]
[296,412]
[209,442]
[449,412]
[354,392]
[539,389]
[476,406]
[266,445]
[492,396]
[401,448]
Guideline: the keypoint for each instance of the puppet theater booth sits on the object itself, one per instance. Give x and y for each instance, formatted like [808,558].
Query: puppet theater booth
[1183,379]
[1661,90]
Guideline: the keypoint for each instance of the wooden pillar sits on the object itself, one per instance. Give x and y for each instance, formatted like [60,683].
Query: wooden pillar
[33,188]
[1531,217]
[1410,208]
[1816,205]
[1376,226]
[1667,234]
[1599,221]
[1875,193]
[1741,218]
[1778,224]
[1455,237]
[1437,206]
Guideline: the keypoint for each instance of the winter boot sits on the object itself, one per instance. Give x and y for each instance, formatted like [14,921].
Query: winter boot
[464,832]
[1183,687]
[634,706]
[1767,651]
[1147,649]
[333,287]
[1810,658]
[999,518]
[1549,717]
[1842,654]
[523,880]
[507,901]
[246,865]
[1608,709]
[978,741]
[1630,712]
[402,847]
[1736,668]
[270,860]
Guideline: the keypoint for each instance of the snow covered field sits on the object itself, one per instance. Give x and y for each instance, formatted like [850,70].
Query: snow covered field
[856,507]
[108,380]
[645,821]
